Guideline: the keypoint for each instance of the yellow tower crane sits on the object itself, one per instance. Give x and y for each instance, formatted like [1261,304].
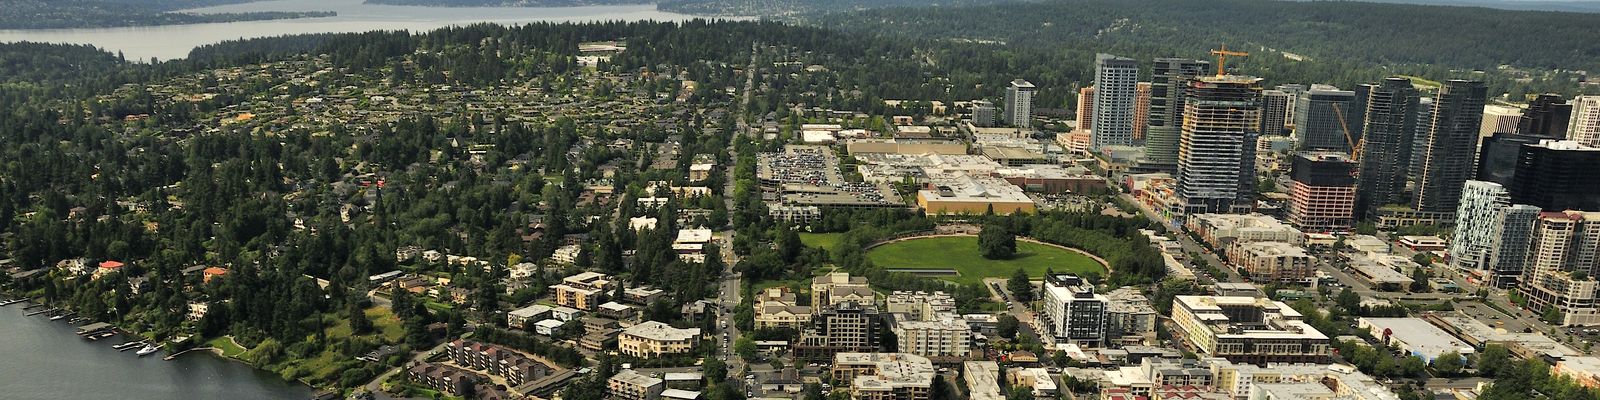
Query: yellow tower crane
[1222,58]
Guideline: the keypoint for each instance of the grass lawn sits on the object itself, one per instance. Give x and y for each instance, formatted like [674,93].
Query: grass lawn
[226,345]
[827,241]
[961,254]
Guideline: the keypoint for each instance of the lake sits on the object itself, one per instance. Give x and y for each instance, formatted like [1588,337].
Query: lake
[175,41]
[44,360]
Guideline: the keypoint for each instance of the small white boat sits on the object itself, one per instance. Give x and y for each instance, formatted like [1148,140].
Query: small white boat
[148,350]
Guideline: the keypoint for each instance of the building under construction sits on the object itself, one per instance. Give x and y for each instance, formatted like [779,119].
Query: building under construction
[1216,152]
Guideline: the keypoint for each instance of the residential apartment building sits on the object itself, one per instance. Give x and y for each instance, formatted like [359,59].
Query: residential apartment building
[838,287]
[1451,145]
[1130,318]
[1584,127]
[1073,312]
[919,305]
[1388,126]
[1141,110]
[1168,79]
[515,367]
[632,385]
[1275,262]
[885,376]
[1248,330]
[777,308]
[1115,87]
[1085,111]
[1562,263]
[1474,237]
[1019,104]
[1274,110]
[942,336]
[652,338]
[1221,231]
[583,291]
[848,326]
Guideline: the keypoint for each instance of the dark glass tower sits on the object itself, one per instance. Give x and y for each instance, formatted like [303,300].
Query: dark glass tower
[1390,120]
[1557,175]
[1547,116]
[1452,145]
[1323,114]
[1168,78]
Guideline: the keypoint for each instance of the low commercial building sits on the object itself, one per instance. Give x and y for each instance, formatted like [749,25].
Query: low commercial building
[1478,334]
[885,376]
[632,385]
[523,318]
[1585,370]
[973,195]
[1287,382]
[1414,336]
[1036,379]
[1248,330]
[1273,262]
[652,338]
[983,380]
[1381,276]
[1050,178]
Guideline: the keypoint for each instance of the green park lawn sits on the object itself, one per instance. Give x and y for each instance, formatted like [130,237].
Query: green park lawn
[961,254]
[827,241]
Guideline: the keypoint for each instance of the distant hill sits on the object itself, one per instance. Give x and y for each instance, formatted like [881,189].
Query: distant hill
[507,3]
[1375,33]
[1524,5]
[62,14]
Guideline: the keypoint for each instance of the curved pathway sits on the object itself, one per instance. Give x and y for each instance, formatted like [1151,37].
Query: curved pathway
[1102,261]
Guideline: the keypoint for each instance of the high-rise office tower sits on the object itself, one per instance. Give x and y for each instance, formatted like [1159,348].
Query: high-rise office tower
[1216,153]
[1322,192]
[1390,120]
[1499,155]
[1141,110]
[1168,79]
[1452,144]
[1497,118]
[1019,104]
[1115,79]
[1547,116]
[1481,203]
[1322,119]
[1085,108]
[1274,108]
[1561,263]
[1557,175]
[1585,125]
[983,113]
[1419,137]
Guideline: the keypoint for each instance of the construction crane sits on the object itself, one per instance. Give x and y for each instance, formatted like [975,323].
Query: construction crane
[1355,145]
[1222,58]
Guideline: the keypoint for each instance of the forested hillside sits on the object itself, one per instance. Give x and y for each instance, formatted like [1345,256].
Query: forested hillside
[1323,30]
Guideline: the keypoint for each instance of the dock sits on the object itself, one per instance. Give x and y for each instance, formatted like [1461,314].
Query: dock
[37,312]
[94,328]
